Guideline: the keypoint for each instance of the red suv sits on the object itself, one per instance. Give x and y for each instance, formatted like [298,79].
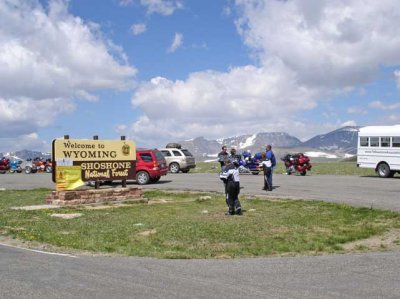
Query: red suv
[150,166]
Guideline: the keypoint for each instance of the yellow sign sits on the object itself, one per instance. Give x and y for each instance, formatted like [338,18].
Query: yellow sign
[96,159]
[68,178]
[94,150]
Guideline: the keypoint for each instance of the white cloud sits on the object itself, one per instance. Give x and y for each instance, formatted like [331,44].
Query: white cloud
[125,2]
[382,106]
[349,123]
[164,7]
[138,28]
[226,11]
[305,50]
[336,44]
[47,58]
[51,54]
[24,116]
[246,99]
[29,141]
[397,78]
[394,118]
[356,110]
[176,42]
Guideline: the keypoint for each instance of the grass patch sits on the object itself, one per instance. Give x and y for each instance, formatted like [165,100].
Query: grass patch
[332,168]
[181,225]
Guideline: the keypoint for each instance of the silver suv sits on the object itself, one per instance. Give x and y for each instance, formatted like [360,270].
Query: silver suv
[178,159]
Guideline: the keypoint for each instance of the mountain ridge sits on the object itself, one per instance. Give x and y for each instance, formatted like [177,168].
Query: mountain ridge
[341,142]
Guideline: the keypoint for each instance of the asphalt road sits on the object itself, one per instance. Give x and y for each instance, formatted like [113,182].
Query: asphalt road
[357,191]
[26,274]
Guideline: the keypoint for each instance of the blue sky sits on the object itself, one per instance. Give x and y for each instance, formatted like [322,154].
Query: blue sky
[161,71]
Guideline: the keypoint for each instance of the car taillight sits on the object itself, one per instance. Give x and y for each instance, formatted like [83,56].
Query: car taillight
[155,166]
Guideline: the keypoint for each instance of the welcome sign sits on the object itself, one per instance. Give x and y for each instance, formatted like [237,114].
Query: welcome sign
[96,159]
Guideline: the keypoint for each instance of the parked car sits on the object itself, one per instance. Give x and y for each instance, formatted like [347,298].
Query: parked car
[150,166]
[178,159]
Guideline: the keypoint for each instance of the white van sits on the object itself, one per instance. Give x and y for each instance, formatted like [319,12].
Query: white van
[379,148]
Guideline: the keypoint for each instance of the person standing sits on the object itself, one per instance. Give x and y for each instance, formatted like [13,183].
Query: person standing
[269,154]
[234,157]
[266,166]
[222,156]
[231,179]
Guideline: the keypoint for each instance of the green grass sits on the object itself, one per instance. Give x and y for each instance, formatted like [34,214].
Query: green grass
[189,226]
[318,168]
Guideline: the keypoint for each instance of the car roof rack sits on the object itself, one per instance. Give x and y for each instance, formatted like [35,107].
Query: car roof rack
[173,145]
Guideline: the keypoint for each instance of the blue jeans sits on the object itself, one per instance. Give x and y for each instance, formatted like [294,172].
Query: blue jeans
[268,178]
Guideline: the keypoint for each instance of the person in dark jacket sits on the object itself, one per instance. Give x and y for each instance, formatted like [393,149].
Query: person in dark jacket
[234,157]
[231,179]
[269,154]
[222,156]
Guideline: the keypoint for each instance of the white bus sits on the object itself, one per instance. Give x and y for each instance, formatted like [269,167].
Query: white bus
[379,148]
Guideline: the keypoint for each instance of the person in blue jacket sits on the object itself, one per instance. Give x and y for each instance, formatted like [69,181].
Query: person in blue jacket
[269,154]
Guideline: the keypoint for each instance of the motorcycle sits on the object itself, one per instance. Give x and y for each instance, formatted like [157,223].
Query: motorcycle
[4,165]
[48,167]
[15,166]
[297,163]
[249,163]
[38,165]
[30,167]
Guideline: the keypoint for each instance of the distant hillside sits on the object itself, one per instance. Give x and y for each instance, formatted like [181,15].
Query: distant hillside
[201,147]
[342,140]
[25,154]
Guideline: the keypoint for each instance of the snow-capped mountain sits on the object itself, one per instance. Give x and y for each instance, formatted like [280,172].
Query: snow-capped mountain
[343,140]
[338,143]
[25,154]
[201,147]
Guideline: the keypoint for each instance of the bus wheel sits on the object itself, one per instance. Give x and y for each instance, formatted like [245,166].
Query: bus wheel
[383,170]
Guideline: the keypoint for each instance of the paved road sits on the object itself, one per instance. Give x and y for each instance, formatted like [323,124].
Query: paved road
[354,190]
[25,274]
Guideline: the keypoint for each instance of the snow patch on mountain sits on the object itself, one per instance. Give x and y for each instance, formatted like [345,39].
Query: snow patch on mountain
[249,142]
[320,155]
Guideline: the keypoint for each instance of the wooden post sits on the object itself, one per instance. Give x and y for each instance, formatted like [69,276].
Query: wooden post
[123,181]
[97,182]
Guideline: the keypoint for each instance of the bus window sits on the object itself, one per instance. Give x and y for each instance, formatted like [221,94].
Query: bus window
[364,141]
[385,141]
[396,141]
[374,142]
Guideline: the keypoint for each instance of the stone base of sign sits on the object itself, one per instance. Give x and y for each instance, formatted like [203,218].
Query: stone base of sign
[94,196]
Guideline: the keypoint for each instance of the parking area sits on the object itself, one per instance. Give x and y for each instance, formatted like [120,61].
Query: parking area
[368,192]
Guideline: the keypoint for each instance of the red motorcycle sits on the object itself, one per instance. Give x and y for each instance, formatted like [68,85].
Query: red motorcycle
[297,163]
[4,165]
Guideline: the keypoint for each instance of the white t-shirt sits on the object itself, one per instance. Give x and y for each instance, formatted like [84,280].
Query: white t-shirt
[267,163]
[234,172]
